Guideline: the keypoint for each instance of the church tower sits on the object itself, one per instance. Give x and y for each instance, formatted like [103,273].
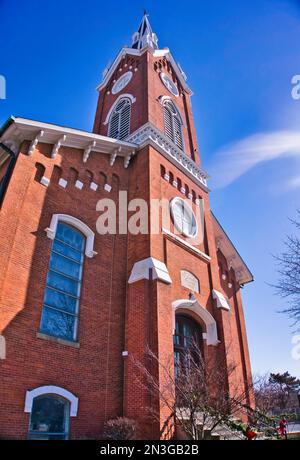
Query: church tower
[156,90]
[80,308]
[173,278]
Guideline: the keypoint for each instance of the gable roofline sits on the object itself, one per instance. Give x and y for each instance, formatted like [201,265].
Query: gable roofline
[226,246]
[156,53]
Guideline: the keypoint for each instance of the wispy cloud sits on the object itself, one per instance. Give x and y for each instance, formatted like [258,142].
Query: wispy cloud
[237,158]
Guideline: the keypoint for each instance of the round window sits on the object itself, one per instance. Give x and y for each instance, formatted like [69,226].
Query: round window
[183,217]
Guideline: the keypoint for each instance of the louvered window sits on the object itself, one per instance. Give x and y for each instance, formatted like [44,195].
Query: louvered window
[173,124]
[119,123]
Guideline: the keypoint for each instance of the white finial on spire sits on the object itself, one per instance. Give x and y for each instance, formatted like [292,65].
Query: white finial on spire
[144,36]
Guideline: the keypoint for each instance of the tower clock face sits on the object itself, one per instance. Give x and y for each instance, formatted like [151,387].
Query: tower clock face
[183,217]
[122,82]
[169,84]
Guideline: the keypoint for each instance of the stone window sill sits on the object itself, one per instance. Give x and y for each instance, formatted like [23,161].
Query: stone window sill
[68,343]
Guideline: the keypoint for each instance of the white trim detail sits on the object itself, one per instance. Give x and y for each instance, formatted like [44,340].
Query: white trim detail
[156,53]
[63,182]
[107,188]
[149,134]
[141,271]
[52,390]
[90,236]
[22,128]
[222,302]
[94,186]
[193,306]
[45,181]
[129,96]
[79,184]
[162,99]
[122,82]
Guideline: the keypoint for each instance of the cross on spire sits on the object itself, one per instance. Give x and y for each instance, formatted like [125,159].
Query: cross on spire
[144,36]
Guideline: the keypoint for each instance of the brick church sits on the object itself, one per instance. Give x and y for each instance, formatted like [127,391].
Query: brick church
[78,307]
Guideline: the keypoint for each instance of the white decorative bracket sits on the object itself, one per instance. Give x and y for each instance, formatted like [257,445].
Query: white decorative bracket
[222,302]
[87,152]
[127,159]
[35,142]
[141,270]
[114,156]
[57,146]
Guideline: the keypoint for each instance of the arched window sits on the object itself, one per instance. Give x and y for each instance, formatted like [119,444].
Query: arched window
[119,122]
[187,339]
[62,294]
[49,418]
[173,123]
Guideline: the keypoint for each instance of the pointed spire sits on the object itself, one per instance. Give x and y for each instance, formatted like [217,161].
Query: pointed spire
[144,36]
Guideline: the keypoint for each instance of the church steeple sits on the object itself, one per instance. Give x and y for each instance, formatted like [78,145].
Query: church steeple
[144,36]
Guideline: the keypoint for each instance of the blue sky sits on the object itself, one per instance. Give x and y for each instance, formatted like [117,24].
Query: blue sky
[240,57]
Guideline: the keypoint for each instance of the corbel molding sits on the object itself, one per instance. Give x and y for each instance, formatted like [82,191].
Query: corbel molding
[87,151]
[35,142]
[57,146]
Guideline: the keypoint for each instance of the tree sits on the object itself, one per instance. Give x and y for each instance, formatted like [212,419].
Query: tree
[288,285]
[196,394]
[283,385]
[273,391]
[119,429]
[265,394]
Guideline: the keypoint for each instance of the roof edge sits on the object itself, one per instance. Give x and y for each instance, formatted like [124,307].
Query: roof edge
[251,276]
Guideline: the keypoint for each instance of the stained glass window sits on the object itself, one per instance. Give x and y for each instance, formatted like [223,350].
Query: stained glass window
[62,294]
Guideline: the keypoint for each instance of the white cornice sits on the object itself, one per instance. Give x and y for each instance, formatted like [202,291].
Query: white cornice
[156,53]
[149,134]
[59,137]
